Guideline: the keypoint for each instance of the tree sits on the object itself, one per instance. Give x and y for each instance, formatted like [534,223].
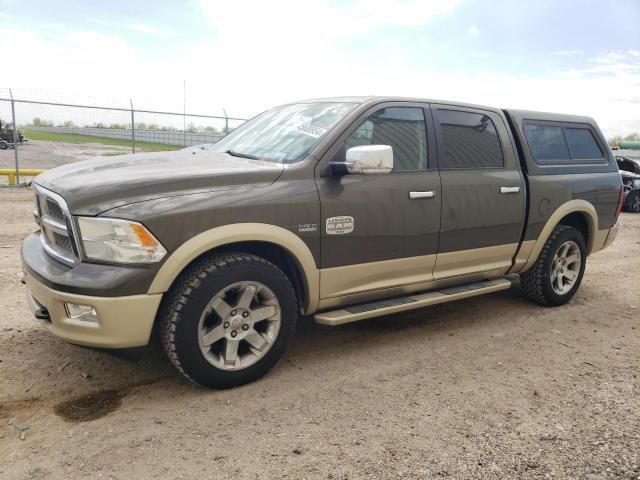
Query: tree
[191,128]
[614,141]
[141,126]
[210,129]
[153,126]
[69,123]
[38,122]
[632,137]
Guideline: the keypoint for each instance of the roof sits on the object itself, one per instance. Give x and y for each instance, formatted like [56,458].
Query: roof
[521,114]
[379,99]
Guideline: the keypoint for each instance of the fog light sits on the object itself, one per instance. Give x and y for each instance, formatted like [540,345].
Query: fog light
[81,312]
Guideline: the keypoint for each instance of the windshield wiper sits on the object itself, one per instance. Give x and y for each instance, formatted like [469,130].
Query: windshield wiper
[242,155]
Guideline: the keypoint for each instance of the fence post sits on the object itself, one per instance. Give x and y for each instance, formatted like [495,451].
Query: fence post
[15,137]
[226,122]
[133,128]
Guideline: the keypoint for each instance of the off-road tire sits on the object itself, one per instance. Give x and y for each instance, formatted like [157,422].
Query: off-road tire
[182,308]
[3,145]
[536,282]
[632,202]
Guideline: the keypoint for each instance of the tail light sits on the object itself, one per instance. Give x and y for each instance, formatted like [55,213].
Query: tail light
[620,202]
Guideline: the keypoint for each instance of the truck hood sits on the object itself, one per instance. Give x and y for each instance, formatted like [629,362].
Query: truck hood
[93,186]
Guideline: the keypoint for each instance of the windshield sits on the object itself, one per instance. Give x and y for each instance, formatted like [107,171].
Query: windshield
[284,134]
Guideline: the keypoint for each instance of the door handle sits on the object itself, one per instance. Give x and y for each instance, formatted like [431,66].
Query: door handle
[417,195]
[509,189]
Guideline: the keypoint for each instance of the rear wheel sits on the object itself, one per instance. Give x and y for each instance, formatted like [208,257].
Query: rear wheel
[228,319]
[3,145]
[557,274]
[632,202]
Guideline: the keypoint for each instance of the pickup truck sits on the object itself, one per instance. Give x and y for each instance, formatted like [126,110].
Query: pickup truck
[342,209]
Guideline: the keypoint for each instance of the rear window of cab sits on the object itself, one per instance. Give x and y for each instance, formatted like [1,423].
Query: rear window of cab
[558,143]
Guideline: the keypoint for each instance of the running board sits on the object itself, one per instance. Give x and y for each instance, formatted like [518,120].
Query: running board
[410,302]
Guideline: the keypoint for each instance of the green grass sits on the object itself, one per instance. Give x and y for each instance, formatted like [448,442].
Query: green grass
[77,138]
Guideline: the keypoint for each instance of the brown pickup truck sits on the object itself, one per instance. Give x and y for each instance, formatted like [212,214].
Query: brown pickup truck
[341,209]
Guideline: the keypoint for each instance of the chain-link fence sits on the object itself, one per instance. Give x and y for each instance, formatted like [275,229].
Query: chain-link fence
[36,134]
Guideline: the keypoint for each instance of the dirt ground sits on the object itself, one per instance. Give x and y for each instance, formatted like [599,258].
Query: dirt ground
[492,387]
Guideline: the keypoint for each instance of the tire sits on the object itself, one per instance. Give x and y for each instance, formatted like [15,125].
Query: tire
[217,300]
[3,145]
[632,202]
[540,284]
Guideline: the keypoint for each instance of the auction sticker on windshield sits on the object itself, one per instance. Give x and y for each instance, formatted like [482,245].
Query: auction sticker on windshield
[311,130]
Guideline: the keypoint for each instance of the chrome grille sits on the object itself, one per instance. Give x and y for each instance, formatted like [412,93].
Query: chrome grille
[63,242]
[55,226]
[54,210]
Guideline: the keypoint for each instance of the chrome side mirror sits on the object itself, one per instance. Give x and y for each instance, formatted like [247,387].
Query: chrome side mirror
[369,159]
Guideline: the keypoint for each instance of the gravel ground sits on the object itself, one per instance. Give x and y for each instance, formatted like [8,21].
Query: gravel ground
[44,155]
[492,387]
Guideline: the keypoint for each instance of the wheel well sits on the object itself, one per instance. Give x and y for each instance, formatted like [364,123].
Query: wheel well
[277,255]
[578,221]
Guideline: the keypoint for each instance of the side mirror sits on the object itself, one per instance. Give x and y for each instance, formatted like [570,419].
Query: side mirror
[369,159]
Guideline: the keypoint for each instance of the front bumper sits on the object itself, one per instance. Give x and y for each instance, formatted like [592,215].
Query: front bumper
[122,322]
[125,312]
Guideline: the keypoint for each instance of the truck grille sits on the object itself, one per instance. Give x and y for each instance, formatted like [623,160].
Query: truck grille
[55,226]
[54,209]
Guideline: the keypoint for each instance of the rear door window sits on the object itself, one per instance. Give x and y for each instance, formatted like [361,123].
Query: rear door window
[470,140]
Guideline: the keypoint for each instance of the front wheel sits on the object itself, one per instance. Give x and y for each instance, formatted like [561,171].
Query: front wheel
[228,319]
[556,276]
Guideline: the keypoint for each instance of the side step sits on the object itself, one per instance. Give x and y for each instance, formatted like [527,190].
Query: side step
[411,302]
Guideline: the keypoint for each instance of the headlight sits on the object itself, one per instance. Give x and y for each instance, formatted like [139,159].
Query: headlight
[120,241]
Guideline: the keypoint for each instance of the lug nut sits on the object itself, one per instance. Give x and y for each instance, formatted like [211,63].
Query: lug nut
[234,333]
[233,312]
[226,325]
[245,327]
[245,314]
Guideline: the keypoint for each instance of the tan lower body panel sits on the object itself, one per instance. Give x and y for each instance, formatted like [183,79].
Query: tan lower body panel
[412,302]
[123,322]
[604,238]
[353,279]
[377,276]
[464,262]
[611,236]
[523,255]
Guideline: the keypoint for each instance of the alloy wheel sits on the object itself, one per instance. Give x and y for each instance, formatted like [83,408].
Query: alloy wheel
[565,267]
[239,325]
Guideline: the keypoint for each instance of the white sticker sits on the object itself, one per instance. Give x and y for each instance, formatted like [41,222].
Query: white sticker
[311,130]
[340,225]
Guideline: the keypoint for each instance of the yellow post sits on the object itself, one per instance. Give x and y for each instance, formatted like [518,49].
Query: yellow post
[10,173]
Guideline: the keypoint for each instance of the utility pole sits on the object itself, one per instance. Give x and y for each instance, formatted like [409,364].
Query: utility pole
[15,137]
[133,128]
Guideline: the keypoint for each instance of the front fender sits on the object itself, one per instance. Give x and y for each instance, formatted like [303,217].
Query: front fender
[242,232]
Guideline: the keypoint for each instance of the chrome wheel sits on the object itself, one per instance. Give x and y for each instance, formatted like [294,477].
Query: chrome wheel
[565,267]
[635,205]
[239,325]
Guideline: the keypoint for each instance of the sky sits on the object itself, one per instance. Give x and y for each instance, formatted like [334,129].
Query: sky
[570,56]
